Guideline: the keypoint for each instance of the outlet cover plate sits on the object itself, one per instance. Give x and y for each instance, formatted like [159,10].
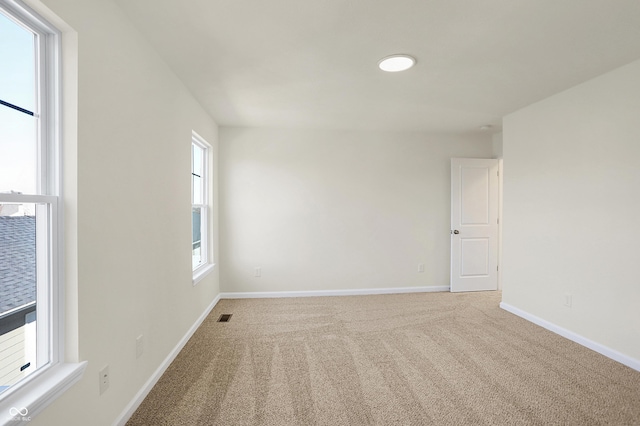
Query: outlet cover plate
[104,379]
[139,346]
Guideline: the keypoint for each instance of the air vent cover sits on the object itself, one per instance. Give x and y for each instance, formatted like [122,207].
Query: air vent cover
[224,318]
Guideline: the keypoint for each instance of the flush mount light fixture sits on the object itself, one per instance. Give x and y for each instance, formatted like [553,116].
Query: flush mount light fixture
[395,63]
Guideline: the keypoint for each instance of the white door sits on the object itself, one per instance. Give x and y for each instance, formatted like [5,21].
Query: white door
[474,224]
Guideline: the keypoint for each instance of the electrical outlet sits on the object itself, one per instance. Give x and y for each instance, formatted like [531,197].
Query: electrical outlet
[139,346]
[567,300]
[258,272]
[421,267]
[104,379]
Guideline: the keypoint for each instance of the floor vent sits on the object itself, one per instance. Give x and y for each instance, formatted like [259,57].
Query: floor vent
[224,318]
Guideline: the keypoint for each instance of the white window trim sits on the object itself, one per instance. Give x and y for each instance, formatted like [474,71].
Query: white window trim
[40,389]
[49,382]
[206,243]
[202,271]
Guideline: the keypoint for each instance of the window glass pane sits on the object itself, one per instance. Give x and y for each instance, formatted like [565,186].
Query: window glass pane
[196,160]
[18,151]
[197,170]
[197,190]
[17,56]
[18,316]
[196,228]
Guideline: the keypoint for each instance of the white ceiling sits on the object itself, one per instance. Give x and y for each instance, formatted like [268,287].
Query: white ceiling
[313,63]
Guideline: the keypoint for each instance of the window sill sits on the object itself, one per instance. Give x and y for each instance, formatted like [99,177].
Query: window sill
[202,272]
[38,393]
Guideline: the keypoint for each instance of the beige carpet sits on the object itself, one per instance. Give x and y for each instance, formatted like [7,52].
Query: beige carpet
[410,359]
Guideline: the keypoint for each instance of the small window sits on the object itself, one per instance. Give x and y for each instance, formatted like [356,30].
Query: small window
[200,206]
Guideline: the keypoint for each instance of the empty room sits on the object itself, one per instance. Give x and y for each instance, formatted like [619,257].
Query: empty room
[334,212]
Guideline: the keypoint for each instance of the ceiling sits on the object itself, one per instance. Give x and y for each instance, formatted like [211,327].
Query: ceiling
[313,63]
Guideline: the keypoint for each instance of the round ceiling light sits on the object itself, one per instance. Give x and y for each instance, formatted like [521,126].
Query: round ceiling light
[395,63]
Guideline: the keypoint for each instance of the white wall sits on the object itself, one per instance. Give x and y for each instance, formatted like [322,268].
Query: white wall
[496,144]
[127,199]
[571,207]
[331,210]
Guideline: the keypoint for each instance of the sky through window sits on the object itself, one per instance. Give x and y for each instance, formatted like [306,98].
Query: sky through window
[18,151]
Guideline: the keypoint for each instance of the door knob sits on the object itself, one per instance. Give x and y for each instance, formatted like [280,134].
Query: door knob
[455,231]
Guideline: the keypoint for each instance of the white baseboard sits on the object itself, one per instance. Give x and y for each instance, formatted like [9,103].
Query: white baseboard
[144,391]
[353,292]
[604,350]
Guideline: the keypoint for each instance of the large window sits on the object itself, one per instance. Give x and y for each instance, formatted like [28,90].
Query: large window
[200,208]
[31,347]
[33,371]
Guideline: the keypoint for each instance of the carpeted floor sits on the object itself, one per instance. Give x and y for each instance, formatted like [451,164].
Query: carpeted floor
[408,359]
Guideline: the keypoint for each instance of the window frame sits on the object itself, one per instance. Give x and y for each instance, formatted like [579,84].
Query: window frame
[51,380]
[207,264]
